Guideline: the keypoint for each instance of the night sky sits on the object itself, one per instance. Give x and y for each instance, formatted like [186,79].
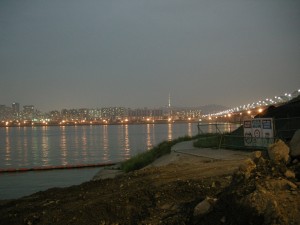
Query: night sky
[58,54]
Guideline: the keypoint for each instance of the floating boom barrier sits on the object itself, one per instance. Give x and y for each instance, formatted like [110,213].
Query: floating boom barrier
[62,167]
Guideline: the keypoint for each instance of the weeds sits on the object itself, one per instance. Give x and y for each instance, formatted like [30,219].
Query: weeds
[143,159]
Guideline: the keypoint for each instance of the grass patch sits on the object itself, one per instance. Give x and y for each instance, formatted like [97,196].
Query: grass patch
[143,159]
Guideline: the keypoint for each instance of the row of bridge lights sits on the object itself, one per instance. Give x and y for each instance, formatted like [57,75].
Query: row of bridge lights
[249,112]
[248,107]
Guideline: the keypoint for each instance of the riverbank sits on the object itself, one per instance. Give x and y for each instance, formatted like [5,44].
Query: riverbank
[166,192]
[185,152]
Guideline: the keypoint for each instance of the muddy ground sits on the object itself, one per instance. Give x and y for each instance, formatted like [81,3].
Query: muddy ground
[168,195]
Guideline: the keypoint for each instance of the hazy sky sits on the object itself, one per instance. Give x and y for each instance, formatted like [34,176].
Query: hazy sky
[58,54]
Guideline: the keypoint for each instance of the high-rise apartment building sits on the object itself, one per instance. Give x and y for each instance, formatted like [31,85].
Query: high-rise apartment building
[28,112]
[16,110]
[16,107]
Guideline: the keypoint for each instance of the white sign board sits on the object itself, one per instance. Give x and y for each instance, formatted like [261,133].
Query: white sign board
[248,133]
[258,132]
[267,131]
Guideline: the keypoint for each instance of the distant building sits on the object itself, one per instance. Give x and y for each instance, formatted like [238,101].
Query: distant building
[28,112]
[28,109]
[95,114]
[55,115]
[5,112]
[16,107]
[114,113]
[69,114]
[83,114]
[16,110]
[138,114]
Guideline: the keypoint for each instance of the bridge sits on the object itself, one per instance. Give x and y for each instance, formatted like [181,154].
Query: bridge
[246,111]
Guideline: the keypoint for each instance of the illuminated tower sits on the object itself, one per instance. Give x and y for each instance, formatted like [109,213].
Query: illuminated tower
[169,107]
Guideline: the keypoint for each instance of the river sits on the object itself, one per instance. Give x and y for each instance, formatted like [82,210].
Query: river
[30,147]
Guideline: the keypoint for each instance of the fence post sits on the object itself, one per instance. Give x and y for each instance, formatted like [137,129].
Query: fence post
[217,129]
[199,129]
[220,141]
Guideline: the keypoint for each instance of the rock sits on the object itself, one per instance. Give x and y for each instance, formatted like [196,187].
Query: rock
[168,206]
[291,185]
[263,203]
[295,144]
[261,161]
[228,177]
[255,156]
[280,185]
[279,152]
[204,207]
[247,167]
[273,214]
[223,219]
[289,174]
[213,185]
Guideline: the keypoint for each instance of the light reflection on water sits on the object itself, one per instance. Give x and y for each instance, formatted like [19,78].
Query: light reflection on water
[105,143]
[7,149]
[63,146]
[84,143]
[170,133]
[27,147]
[190,132]
[149,139]
[45,146]
[126,142]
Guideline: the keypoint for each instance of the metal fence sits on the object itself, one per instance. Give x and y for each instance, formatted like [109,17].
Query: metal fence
[230,135]
[242,142]
[286,127]
[218,128]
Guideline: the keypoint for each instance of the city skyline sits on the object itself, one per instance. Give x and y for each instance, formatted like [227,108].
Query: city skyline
[62,54]
[31,116]
[18,107]
[283,98]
